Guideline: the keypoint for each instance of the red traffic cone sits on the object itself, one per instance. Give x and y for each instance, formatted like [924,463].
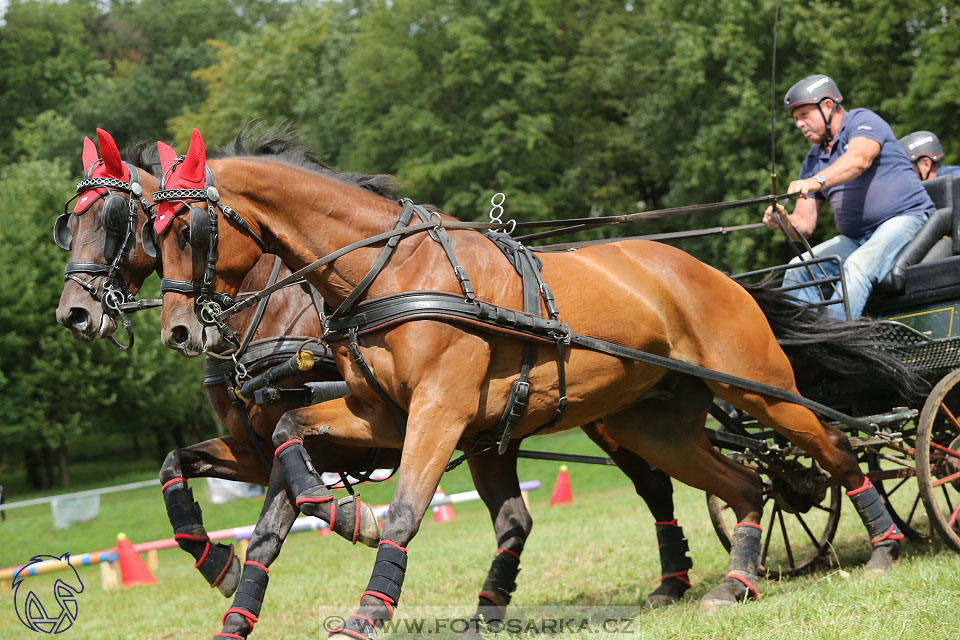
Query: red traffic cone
[561,490]
[443,512]
[133,570]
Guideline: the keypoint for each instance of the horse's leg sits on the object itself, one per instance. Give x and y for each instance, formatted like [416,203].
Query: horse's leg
[439,411]
[349,517]
[495,477]
[276,519]
[831,449]
[655,488]
[226,458]
[671,437]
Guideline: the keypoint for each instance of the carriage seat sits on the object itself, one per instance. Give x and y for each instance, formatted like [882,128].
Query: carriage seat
[932,258]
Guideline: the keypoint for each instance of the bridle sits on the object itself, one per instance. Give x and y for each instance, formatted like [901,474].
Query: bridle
[203,229]
[119,218]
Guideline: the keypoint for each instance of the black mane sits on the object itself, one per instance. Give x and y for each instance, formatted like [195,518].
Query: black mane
[279,142]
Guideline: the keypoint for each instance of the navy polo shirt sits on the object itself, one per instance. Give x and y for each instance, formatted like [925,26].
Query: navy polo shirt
[888,188]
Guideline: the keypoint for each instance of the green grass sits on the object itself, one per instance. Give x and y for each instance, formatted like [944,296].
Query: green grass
[598,552]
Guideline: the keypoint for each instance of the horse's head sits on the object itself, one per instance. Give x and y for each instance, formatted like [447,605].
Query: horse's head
[107,264]
[191,222]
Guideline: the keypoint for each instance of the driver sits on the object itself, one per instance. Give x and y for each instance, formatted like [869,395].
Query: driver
[926,154]
[855,163]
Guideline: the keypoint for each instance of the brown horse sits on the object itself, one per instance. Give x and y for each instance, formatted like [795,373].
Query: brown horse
[234,457]
[452,377]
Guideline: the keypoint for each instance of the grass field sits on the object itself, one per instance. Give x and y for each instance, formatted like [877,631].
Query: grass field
[598,554]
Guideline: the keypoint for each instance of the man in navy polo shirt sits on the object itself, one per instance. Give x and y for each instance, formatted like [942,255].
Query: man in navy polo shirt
[857,165]
[925,152]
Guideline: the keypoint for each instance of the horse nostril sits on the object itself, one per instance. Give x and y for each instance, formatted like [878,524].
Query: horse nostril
[78,317]
[179,334]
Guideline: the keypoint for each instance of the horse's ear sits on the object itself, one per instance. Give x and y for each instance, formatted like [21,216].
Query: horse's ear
[167,155]
[195,160]
[90,154]
[111,155]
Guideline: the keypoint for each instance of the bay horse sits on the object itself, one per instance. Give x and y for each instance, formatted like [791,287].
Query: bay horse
[234,457]
[452,378]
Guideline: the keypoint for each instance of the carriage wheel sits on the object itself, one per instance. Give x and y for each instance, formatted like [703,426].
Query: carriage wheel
[793,540]
[938,457]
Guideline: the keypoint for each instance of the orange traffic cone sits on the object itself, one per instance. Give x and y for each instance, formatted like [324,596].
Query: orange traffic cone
[561,490]
[133,570]
[443,512]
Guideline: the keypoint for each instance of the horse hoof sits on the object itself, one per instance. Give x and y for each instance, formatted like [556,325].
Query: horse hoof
[881,560]
[669,592]
[369,533]
[713,605]
[231,579]
[725,594]
[660,600]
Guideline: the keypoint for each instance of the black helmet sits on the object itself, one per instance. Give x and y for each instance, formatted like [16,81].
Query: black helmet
[922,143]
[811,90]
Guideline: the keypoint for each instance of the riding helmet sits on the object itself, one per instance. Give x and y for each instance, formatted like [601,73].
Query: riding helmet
[922,143]
[811,90]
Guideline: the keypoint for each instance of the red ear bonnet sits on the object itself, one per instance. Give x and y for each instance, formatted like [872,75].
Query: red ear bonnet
[111,167]
[189,174]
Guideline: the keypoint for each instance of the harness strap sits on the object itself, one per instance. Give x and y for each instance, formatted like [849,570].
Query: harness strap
[439,235]
[241,408]
[449,308]
[258,315]
[378,265]
[398,413]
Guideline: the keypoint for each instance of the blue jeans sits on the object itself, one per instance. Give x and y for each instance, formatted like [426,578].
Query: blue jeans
[866,261]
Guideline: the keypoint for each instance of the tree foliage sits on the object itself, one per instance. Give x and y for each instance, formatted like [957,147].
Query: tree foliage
[571,108]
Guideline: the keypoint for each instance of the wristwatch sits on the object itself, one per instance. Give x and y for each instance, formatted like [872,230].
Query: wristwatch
[823,181]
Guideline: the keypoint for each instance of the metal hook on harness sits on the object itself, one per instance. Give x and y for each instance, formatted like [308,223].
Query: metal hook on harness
[240,370]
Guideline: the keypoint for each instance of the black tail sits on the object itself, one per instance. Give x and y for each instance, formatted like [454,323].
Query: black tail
[824,350]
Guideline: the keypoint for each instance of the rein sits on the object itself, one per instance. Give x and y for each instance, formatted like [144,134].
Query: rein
[494,226]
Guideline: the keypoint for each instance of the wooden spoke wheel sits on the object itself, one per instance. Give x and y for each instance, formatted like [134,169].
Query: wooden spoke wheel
[797,528]
[938,458]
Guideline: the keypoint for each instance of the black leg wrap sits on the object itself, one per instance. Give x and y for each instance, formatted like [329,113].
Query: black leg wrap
[497,590]
[302,478]
[501,580]
[873,512]
[388,572]
[673,550]
[745,556]
[184,514]
[248,601]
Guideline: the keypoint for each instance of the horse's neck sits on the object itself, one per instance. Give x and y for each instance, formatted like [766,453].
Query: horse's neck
[305,216]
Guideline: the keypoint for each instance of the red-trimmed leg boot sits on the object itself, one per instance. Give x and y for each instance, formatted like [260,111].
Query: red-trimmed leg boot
[674,565]
[885,536]
[741,580]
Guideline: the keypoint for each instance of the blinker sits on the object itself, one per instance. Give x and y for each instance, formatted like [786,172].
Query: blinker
[200,228]
[61,232]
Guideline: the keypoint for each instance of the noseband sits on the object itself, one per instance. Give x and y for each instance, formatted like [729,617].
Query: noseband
[203,235]
[119,219]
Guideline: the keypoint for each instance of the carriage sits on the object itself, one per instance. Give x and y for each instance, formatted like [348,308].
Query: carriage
[921,300]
